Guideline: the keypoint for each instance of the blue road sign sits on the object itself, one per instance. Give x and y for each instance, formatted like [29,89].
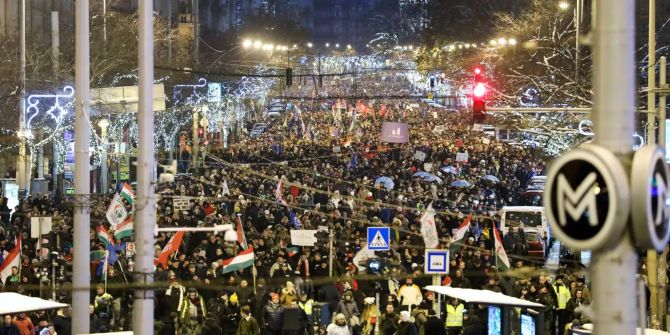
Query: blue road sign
[379,238]
[437,261]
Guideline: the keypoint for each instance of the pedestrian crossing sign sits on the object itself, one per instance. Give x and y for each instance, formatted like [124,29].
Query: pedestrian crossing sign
[379,238]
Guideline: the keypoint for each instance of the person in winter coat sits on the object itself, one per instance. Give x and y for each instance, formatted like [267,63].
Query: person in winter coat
[420,316]
[348,307]
[170,325]
[370,317]
[389,321]
[248,324]
[562,296]
[405,326]
[454,322]
[8,327]
[193,311]
[62,321]
[472,325]
[272,316]
[211,326]
[434,326]
[410,294]
[339,326]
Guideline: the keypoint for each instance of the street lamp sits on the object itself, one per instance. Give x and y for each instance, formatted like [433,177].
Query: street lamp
[337,45]
[258,44]
[348,46]
[512,41]
[563,5]
[493,42]
[327,45]
[310,45]
[502,41]
[247,44]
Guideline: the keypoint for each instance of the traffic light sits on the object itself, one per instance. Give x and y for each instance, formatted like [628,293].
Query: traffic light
[289,76]
[478,97]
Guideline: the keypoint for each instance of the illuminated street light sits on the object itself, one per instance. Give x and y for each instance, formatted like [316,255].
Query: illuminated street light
[327,45]
[460,46]
[309,44]
[411,47]
[337,45]
[502,41]
[348,46]
[295,46]
[563,5]
[247,44]
[258,44]
[511,41]
[467,45]
[493,42]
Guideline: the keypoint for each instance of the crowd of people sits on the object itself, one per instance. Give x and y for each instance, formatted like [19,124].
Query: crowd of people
[313,169]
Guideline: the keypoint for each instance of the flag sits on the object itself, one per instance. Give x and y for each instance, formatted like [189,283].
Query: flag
[127,193]
[241,239]
[171,247]
[225,190]
[243,260]
[103,235]
[502,262]
[98,255]
[116,212]
[12,259]
[291,251]
[353,164]
[125,229]
[428,230]
[457,240]
[279,192]
[295,222]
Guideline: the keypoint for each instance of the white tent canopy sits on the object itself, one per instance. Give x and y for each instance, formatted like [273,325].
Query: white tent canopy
[12,303]
[482,296]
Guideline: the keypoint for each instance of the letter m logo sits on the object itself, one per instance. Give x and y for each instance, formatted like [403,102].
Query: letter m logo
[575,202]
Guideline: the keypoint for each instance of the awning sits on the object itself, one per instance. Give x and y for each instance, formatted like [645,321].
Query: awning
[13,303]
[482,296]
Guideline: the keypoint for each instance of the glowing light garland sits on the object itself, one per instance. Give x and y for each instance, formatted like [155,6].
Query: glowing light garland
[56,111]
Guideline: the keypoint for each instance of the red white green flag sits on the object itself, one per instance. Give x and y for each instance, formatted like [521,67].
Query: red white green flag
[243,260]
[502,262]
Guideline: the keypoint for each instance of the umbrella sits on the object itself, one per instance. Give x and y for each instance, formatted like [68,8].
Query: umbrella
[461,183]
[431,178]
[386,182]
[449,169]
[491,178]
[422,174]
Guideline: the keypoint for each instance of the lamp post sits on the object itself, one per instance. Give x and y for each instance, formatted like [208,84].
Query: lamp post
[104,124]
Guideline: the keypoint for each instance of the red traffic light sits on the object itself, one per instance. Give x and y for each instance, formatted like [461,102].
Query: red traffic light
[478,70]
[479,90]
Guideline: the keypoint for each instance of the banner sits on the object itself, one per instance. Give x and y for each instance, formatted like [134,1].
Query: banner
[116,212]
[303,238]
[395,132]
[420,155]
[428,230]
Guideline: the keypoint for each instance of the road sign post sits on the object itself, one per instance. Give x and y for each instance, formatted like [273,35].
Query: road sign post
[650,189]
[437,264]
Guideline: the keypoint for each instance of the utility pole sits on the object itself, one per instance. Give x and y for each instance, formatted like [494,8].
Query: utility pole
[614,269]
[652,255]
[662,261]
[21,164]
[145,217]
[331,237]
[82,184]
[196,30]
[579,12]
[169,54]
[55,67]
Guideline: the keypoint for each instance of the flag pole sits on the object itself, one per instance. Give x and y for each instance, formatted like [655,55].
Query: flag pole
[122,272]
[104,268]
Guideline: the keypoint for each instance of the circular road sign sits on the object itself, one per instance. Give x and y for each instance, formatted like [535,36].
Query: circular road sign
[649,200]
[586,198]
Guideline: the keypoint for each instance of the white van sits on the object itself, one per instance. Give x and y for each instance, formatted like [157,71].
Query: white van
[532,218]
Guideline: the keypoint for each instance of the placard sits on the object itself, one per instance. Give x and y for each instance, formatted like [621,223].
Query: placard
[304,238]
[438,129]
[420,155]
[462,157]
[181,204]
[39,225]
[478,127]
[486,140]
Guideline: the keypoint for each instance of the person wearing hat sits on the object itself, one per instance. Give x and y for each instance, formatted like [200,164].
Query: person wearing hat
[405,325]
[562,298]
[272,317]
[192,311]
[339,326]
[349,308]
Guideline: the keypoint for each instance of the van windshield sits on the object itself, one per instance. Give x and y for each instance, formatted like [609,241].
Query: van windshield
[529,219]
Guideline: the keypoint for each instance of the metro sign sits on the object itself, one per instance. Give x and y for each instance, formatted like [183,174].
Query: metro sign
[586,198]
[650,203]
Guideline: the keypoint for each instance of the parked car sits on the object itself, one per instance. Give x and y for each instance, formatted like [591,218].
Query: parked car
[535,245]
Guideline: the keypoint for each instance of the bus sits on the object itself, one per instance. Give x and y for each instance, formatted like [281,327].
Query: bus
[532,218]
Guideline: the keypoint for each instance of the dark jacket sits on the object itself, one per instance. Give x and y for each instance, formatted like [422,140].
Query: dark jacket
[9,330]
[434,326]
[473,326]
[211,327]
[249,327]
[272,317]
[406,328]
[62,325]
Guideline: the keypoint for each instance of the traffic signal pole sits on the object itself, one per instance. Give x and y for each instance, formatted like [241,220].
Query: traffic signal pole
[614,269]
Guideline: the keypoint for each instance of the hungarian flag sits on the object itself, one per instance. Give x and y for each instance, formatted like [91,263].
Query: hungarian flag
[171,247]
[502,262]
[11,260]
[103,235]
[125,228]
[457,241]
[127,193]
[243,260]
[279,192]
